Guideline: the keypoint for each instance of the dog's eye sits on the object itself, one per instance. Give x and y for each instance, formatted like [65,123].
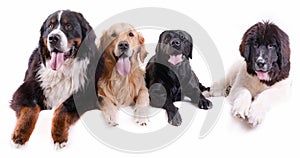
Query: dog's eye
[167,38]
[181,37]
[131,34]
[271,46]
[68,27]
[51,26]
[114,35]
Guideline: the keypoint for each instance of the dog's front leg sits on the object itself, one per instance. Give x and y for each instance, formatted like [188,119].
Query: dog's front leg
[142,107]
[64,116]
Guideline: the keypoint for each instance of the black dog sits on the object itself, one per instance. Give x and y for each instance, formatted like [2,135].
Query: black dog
[169,76]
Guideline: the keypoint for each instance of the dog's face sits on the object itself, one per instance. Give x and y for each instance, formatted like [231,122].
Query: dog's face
[124,44]
[174,46]
[266,49]
[61,36]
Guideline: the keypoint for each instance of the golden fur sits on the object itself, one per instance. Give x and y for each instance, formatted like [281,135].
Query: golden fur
[116,90]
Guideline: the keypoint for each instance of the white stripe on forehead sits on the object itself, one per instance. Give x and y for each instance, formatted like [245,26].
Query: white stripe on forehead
[58,18]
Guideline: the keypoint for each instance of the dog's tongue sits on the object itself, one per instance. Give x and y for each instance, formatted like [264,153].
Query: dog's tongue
[57,60]
[262,75]
[123,66]
[175,59]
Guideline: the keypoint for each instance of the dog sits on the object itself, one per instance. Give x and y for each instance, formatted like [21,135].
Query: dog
[122,81]
[60,70]
[169,76]
[254,85]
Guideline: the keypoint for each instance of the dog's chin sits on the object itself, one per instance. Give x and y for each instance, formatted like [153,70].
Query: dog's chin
[263,75]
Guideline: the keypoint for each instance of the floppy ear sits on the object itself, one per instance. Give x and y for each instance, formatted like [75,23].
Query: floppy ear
[103,42]
[283,52]
[143,52]
[87,31]
[159,44]
[189,50]
[88,38]
[42,48]
[245,50]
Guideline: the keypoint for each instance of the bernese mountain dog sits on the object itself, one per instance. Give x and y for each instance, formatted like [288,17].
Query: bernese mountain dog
[61,75]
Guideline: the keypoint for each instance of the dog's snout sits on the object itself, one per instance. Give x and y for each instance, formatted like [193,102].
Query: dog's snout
[123,46]
[260,63]
[175,43]
[54,38]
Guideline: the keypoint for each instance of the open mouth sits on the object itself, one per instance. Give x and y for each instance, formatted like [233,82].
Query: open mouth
[263,75]
[58,57]
[123,64]
[175,59]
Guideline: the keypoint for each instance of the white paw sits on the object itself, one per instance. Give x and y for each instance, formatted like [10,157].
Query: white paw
[142,122]
[141,115]
[240,111]
[16,145]
[256,115]
[59,146]
[110,118]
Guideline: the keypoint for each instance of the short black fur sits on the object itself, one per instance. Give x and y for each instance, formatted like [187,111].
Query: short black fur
[168,83]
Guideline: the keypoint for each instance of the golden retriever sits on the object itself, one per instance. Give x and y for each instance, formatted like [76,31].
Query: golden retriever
[122,81]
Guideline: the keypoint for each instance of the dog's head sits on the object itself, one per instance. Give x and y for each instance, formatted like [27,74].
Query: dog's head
[123,44]
[174,45]
[265,48]
[62,33]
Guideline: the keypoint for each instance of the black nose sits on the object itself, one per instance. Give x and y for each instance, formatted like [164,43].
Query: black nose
[123,46]
[175,42]
[260,63]
[54,38]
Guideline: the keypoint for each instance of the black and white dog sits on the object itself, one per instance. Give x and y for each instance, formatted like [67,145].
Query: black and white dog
[169,76]
[61,68]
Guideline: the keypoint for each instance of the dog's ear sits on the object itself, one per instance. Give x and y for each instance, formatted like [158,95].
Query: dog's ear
[42,48]
[160,43]
[103,42]
[188,50]
[283,51]
[87,31]
[245,50]
[143,52]
[244,46]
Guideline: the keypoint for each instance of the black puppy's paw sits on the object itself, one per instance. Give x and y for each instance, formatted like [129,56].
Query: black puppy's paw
[205,104]
[174,118]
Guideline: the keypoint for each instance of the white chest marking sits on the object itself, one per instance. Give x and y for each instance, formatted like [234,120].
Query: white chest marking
[59,85]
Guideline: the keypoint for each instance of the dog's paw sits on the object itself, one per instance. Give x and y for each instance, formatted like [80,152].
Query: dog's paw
[174,119]
[112,123]
[240,111]
[18,139]
[110,118]
[256,115]
[141,122]
[141,115]
[205,104]
[59,146]
[16,145]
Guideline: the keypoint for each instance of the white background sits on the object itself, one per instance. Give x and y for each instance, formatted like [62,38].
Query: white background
[225,22]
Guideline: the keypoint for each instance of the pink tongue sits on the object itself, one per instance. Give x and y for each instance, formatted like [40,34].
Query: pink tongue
[123,66]
[57,60]
[175,59]
[262,75]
